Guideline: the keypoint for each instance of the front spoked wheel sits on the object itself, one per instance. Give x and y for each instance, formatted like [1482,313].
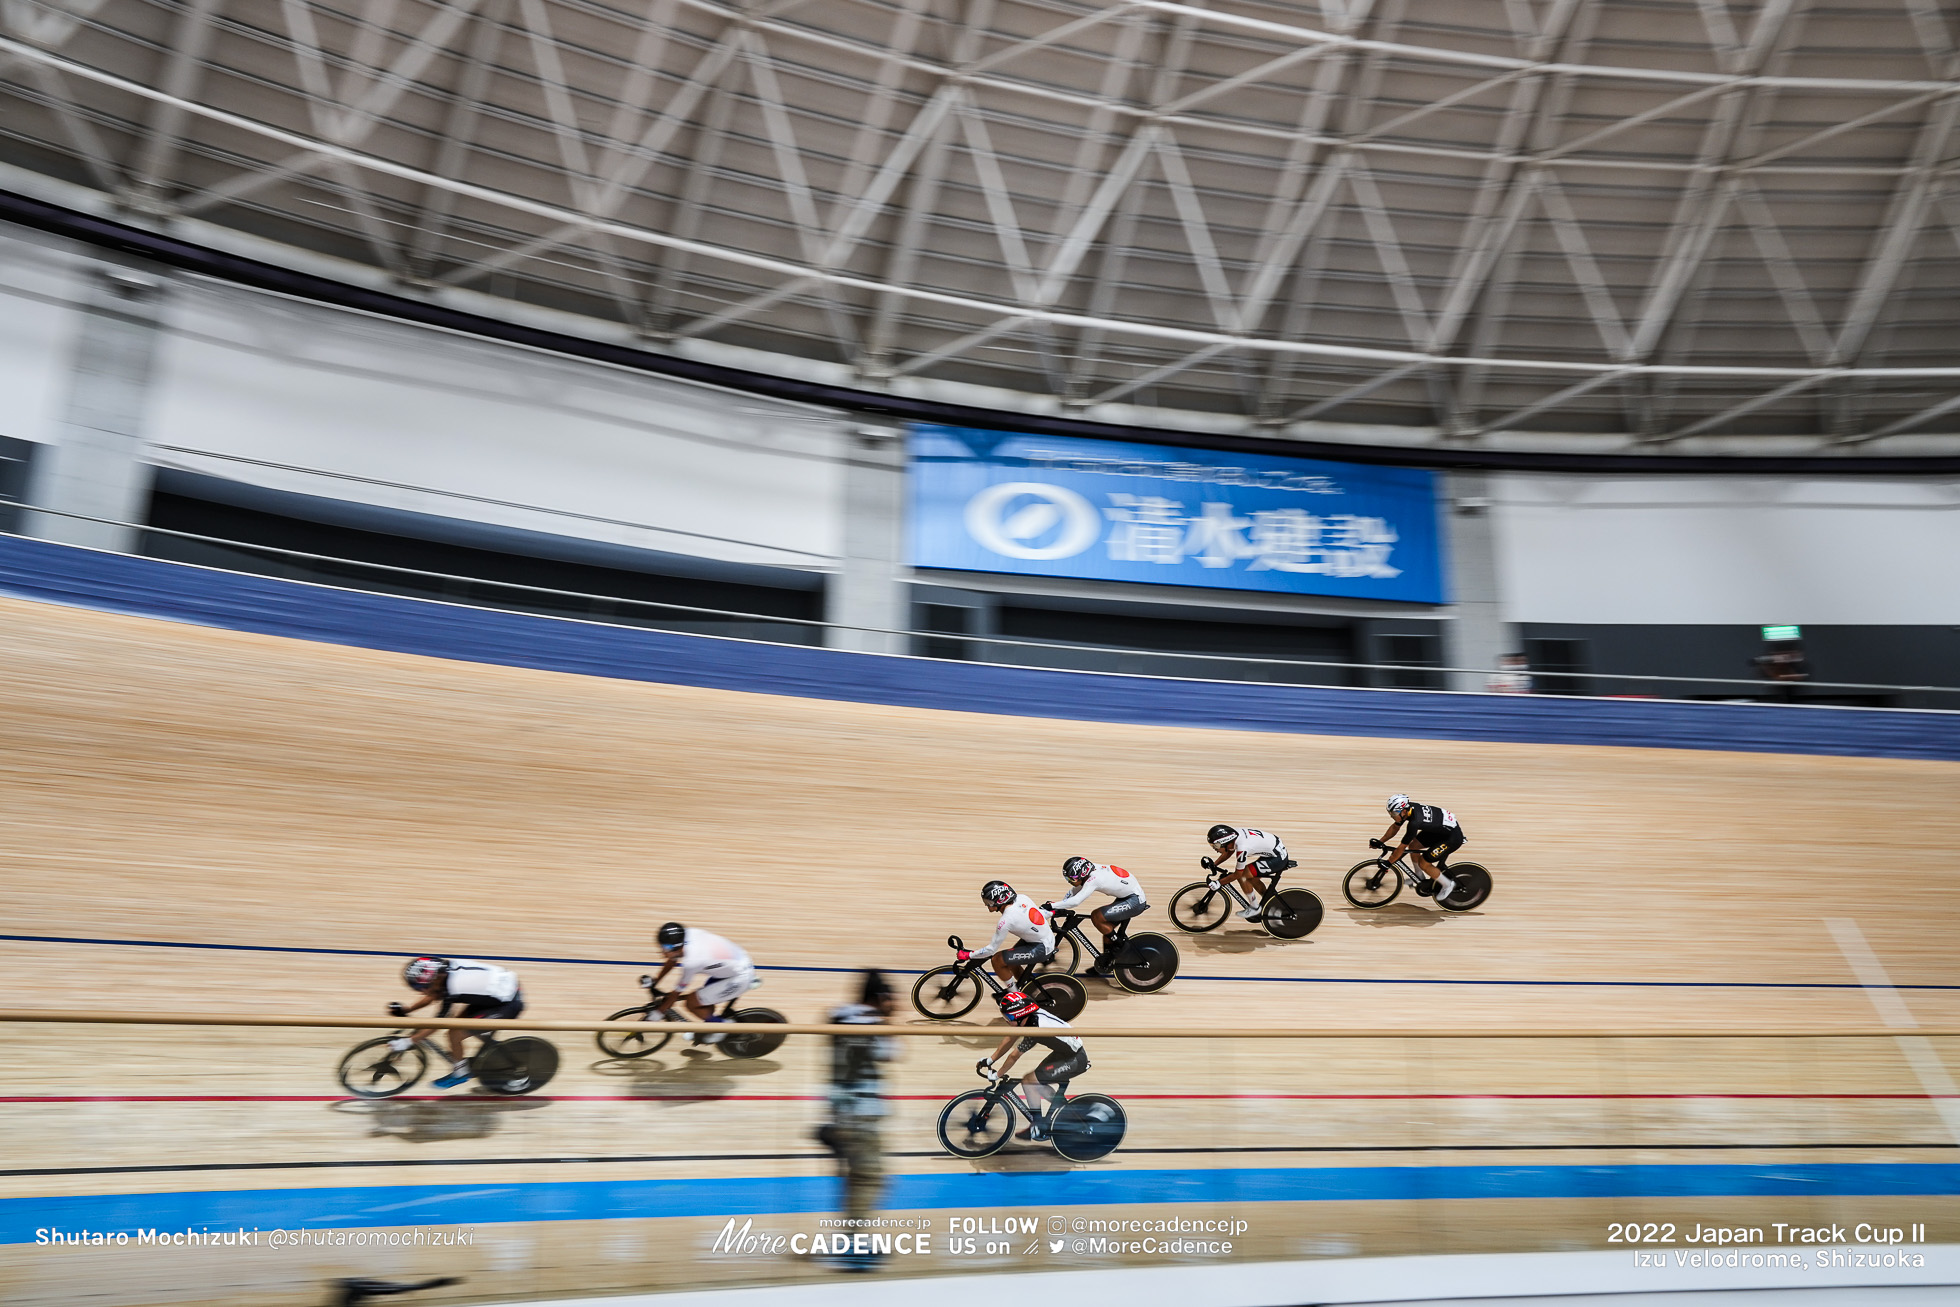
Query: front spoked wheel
[1065,959]
[374,1070]
[1292,913]
[1198,907]
[975,1124]
[629,1044]
[1149,963]
[1372,884]
[945,993]
[1472,887]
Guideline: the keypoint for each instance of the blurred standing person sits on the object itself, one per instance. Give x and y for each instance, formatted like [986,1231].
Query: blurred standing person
[1513,675]
[857,1108]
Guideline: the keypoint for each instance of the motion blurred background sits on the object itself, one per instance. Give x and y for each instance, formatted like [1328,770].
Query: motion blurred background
[468,469]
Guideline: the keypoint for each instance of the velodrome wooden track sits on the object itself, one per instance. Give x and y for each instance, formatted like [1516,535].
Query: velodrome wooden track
[167,783]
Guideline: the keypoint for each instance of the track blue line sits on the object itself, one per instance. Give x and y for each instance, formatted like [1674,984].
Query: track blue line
[913,971]
[385,1206]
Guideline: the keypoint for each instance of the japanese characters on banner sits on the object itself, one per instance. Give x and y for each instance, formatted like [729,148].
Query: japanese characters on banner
[989,501]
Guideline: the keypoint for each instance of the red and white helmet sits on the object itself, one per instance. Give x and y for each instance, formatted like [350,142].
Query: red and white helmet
[1015,1005]
[423,972]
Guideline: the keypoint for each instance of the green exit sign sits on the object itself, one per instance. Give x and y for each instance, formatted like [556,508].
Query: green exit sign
[1782,633]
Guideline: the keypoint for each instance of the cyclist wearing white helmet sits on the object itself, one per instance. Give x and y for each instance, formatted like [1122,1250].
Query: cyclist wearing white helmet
[1020,918]
[483,991]
[1250,850]
[1102,878]
[1433,834]
[723,968]
[1066,1058]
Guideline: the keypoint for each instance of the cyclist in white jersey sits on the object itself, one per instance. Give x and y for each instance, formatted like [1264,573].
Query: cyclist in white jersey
[1249,849]
[724,970]
[1102,878]
[484,992]
[1021,918]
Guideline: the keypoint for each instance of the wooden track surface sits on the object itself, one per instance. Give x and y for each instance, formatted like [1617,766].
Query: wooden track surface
[171,783]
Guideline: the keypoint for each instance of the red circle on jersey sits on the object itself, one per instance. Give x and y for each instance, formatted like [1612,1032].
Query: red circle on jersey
[1034,916]
[1119,871]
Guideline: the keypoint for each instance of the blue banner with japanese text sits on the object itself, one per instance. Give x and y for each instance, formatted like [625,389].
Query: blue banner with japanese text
[991,501]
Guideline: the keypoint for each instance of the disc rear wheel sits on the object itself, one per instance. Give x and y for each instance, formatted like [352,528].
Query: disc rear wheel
[758,1044]
[1472,887]
[1292,913]
[1088,1127]
[1149,963]
[516,1066]
[1062,995]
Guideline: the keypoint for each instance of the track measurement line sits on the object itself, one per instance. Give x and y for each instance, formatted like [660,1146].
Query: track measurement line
[914,971]
[1919,1052]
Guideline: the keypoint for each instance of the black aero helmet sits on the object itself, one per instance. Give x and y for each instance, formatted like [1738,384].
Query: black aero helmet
[997,894]
[1219,836]
[672,935]
[1076,870]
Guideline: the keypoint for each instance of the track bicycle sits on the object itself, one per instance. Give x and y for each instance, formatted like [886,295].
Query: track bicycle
[375,1068]
[979,1122]
[742,1044]
[955,989]
[1376,882]
[1142,964]
[1284,913]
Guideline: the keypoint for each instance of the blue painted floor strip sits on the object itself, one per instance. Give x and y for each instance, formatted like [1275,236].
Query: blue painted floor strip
[490,1204]
[913,971]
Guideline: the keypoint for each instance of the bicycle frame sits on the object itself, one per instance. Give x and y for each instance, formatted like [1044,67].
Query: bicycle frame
[1002,1091]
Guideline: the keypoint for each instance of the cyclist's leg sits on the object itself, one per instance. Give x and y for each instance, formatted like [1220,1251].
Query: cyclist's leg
[1012,964]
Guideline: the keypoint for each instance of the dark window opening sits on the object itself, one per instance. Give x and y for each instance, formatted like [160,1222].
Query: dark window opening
[484,578]
[1411,657]
[950,618]
[1548,657]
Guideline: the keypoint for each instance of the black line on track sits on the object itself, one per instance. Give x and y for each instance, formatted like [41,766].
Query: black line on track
[794,1157]
[913,971]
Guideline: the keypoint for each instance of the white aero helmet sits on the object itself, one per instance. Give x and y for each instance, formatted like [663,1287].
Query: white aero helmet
[1399,804]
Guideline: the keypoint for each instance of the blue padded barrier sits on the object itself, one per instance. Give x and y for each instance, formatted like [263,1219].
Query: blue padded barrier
[55,573]
[22,1220]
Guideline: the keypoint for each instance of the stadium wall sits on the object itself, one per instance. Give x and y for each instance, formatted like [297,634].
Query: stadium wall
[68,574]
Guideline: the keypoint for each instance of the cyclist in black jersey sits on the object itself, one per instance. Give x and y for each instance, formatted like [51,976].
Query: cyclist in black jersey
[1066,1058]
[1432,834]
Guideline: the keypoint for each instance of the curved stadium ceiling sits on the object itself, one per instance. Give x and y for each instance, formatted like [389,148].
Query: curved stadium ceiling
[1680,225]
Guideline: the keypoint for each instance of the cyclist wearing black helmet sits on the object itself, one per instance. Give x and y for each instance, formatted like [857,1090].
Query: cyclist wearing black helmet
[724,970]
[1248,851]
[484,992]
[1020,918]
[1433,834]
[1088,878]
[1066,1057]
